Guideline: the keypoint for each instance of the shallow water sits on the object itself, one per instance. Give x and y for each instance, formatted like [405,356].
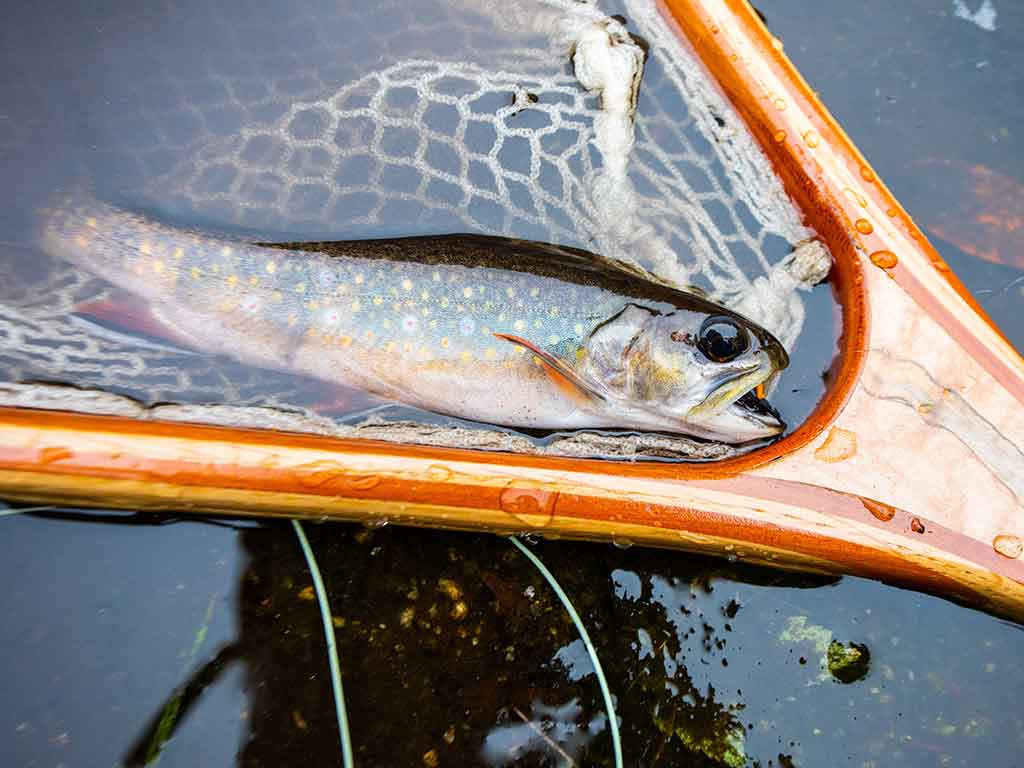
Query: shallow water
[451,645]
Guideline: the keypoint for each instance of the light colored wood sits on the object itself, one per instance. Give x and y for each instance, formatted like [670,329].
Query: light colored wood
[909,471]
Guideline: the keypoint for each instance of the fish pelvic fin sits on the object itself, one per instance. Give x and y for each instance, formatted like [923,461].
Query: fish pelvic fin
[560,372]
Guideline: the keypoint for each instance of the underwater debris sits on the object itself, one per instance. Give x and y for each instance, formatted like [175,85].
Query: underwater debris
[848,663]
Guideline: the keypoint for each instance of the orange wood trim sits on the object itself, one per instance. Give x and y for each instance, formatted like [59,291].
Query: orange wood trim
[97,460]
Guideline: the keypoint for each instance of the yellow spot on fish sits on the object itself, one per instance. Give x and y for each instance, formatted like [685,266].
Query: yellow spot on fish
[359,279]
[425,311]
[486,331]
[519,325]
[232,279]
[581,353]
[445,342]
[552,339]
[341,290]
[391,346]
[91,222]
[271,267]
[535,360]
[196,273]
[227,250]
[178,253]
[378,300]
[444,301]
[424,295]
[254,280]
[397,306]
[277,296]
[313,304]
[409,303]
[509,292]
[466,355]
[145,249]
[300,288]
[490,353]
[344,341]
[554,311]
[356,306]
[311,332]
[407,284]
[520,350]
[467,292]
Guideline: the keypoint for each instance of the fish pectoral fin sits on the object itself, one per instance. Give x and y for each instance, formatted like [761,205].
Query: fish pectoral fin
[560,372]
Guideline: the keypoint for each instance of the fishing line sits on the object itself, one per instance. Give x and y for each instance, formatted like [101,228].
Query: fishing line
[332,648]
[613,722]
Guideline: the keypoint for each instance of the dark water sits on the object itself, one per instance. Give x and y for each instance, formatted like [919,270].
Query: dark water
[453,649]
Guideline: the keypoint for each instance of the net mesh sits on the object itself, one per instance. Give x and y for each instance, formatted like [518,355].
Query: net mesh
[468,116]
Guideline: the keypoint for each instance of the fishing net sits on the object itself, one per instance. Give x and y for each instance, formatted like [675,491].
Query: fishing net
[540,119]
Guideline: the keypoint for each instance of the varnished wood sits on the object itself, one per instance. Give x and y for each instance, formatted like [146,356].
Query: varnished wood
[910,470]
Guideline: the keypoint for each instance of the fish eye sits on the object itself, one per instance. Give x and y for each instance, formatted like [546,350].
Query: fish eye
[722,339]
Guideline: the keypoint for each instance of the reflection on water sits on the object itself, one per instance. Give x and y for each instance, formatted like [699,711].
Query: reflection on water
[454,649]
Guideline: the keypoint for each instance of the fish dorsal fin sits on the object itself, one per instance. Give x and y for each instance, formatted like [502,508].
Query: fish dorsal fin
[564,376]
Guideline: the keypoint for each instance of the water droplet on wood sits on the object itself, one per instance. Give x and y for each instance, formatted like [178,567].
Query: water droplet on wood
[533,506]
[884,259]
[879,510]
[1008,546]
[839,445]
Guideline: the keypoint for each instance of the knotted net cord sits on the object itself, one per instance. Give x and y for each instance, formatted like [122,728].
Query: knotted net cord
[629,152]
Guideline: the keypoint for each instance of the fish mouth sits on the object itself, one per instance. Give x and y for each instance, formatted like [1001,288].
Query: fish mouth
[740,385]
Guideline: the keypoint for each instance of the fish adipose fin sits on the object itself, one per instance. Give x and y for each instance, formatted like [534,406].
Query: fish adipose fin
[561,373]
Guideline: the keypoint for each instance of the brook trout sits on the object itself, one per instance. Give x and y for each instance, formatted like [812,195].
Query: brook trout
[490,329]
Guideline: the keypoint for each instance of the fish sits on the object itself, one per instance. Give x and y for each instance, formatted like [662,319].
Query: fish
[490,329]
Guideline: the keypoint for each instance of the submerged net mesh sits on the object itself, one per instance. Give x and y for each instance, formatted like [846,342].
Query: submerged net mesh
[467,116]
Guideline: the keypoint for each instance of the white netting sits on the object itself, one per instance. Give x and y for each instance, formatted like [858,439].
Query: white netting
[404,131]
